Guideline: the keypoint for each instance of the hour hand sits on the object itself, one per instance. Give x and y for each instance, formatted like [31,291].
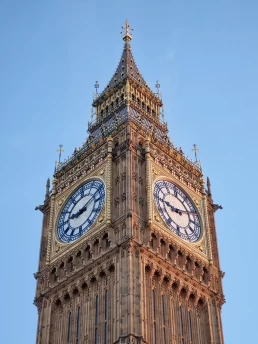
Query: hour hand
[178,211]
[79,212]
[74,216]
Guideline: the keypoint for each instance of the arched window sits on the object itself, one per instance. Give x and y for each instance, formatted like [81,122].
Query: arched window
[78,325]
[96,319]
[190,326]
[69,327]
[181,324]
[154,317]
[106,319]
[163,319]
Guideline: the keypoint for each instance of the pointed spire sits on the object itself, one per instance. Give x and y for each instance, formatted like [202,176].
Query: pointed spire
[126,69]
[47,189]
[209,186]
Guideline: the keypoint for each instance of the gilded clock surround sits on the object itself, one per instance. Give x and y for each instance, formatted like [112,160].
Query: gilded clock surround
[129,254]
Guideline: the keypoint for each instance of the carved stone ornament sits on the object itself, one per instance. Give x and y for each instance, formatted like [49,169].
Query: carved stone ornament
[57,247]
[201,248]
[196,201]
[157,217]
[60,202]
[101,218]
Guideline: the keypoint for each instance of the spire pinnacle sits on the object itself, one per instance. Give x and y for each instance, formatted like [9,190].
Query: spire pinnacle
[47,189]
[127,37]
[209,186]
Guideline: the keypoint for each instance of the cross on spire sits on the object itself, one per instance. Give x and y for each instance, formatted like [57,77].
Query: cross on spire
[96,87]
[195,150]
[127,32]
[157,87]
[60,151]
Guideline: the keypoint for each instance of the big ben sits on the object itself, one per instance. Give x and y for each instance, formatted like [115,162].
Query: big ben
[129,251]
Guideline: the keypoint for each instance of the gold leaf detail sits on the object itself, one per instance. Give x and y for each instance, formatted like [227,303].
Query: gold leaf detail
[60,202]
[57,247]
[155,172]
[196,201]
[157,217]
[201,248]
[101,218]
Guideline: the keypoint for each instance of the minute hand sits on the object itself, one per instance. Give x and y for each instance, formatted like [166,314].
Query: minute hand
[84,208]
[186,212]
[179,211]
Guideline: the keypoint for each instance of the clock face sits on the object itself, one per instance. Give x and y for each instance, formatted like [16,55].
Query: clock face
[177,211]
[80,211]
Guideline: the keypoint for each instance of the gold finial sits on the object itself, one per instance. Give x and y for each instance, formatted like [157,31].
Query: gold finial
[158,87]
[127,32]
[96,87]
[195,150]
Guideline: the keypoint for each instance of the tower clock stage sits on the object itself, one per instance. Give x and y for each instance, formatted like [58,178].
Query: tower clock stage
[128,251]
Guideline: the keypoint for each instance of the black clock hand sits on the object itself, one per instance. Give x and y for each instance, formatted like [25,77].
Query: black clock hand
[84,208]
[187,212]
[179,211]
[79,212]
[171,207]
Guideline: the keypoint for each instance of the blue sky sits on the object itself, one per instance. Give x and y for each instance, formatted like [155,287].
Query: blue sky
[204,54]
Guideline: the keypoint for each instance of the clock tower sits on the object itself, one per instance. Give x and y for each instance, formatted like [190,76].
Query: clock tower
[128,248]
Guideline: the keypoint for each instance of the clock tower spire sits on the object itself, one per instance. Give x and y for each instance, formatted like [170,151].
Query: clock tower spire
[128,248]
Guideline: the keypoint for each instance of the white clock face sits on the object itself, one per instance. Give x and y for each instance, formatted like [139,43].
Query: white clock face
[177,211]
[80,211]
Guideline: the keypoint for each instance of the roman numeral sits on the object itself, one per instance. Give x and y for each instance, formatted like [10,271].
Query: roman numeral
[73,200]
[191,229]
[66,230]
[187,235]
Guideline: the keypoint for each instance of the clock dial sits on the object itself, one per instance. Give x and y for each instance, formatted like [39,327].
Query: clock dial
[177,211]
[80,211]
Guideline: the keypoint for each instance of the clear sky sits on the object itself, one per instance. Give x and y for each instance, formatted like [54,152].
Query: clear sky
[204,54]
